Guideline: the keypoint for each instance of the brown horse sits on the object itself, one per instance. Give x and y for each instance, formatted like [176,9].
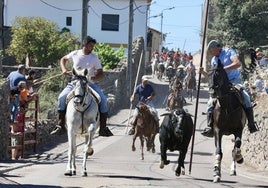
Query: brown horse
[145,129]
[229,118]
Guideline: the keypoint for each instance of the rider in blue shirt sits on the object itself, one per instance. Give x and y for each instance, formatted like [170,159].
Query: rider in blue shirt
[146,93]
[231,63]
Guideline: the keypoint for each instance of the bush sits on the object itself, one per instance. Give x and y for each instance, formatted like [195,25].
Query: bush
[109,57]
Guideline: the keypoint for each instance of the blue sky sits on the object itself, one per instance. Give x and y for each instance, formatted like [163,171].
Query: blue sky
[182,24]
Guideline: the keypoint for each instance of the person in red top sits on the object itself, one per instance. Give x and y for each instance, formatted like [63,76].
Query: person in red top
[17,128]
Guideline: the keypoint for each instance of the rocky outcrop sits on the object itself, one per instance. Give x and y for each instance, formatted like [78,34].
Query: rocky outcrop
[255,146]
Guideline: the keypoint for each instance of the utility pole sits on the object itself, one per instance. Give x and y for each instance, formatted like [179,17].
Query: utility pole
[129,57]
[84,19]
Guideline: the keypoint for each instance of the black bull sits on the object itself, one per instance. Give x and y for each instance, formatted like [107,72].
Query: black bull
[175,134]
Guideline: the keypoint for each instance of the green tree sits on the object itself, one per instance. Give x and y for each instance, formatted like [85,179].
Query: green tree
[239,23]
[109,57]
[40,41]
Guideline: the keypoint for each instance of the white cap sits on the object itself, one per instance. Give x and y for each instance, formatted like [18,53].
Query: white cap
[144,78]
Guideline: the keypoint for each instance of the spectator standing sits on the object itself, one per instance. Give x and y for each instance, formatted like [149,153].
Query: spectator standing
[14,78]
[259,83]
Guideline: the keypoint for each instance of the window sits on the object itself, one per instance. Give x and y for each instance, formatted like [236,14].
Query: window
[68,21]
[110,22]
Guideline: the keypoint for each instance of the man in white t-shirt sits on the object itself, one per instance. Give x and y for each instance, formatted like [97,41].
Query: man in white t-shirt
[84,59]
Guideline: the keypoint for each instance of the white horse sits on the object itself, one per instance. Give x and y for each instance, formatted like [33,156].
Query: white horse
[82,117]
[154,65]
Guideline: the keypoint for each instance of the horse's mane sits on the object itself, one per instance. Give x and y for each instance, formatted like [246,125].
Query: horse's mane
[144,109]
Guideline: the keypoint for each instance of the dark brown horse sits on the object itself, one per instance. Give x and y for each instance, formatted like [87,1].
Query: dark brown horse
[229,118]
[145,129]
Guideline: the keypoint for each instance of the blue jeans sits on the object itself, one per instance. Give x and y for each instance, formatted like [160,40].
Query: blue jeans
[103,106]
[13,106]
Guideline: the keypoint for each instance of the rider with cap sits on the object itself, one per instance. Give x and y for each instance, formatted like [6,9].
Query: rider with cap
[146,93]
[231,63]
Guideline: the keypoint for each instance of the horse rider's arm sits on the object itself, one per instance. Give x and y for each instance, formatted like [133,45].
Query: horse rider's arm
[204,73]
[151,96]
[99,74]
[234,65]
[63,62]
[132,97]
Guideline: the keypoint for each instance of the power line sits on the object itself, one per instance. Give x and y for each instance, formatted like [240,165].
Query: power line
[113,7]
[58,7]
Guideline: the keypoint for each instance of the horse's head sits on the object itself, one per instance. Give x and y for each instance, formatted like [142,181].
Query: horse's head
[143,113]
[81,86]
[177,121]
[219,81]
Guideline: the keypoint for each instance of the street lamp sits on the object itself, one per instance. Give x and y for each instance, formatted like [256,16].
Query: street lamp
[161,41]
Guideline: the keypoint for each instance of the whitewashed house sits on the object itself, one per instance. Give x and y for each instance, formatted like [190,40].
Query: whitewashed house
[108,20]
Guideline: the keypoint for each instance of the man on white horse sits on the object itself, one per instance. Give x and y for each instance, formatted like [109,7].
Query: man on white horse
[85,59]
[190,70]
[146,93]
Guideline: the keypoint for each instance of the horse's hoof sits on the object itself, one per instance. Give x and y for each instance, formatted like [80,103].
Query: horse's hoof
[153,150]
[84,174]
[216,179]
[133,149]
[240,161]
[68,173]
[90,152]
[74,172]
[177,174]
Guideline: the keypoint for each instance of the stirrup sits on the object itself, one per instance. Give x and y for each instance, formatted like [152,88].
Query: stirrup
[208,132]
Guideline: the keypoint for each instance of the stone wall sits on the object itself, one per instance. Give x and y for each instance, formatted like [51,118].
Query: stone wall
[255,146]
[4,125]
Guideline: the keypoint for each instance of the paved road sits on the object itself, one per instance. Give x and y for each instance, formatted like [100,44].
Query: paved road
[115,165]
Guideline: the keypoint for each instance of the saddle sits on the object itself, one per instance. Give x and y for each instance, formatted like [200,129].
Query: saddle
[237,90]
[92,91]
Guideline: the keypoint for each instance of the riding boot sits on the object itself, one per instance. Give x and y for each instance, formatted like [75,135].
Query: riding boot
[132,130]
[208,131]
[60,127]
[251,124]
[104,130]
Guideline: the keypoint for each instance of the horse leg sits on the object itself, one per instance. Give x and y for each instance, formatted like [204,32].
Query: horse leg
[236,155]
[85,155]
[218,157]
[69,167]
[74,154]
[142,146]
[133,142]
